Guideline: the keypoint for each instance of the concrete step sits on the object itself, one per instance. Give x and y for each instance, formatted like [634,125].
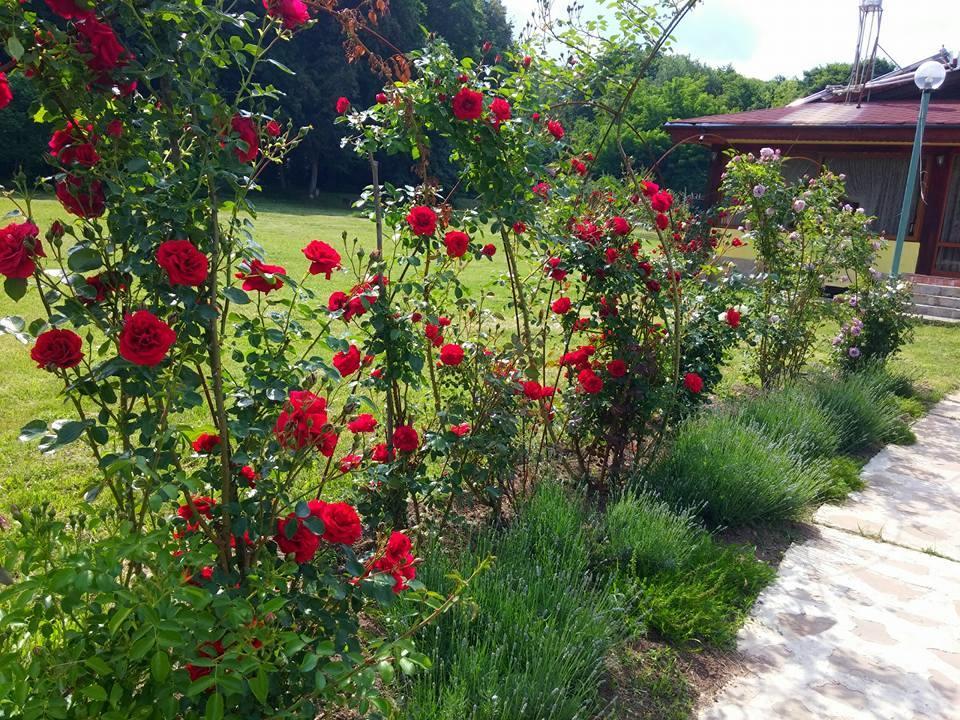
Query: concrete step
[926,289]
[935,311]
[944,301]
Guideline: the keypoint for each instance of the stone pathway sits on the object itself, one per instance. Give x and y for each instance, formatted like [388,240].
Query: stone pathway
[863,622]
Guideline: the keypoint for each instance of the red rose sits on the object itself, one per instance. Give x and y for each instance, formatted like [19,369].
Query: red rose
[663,222]
[293,13]
[588,232]
[406,439]
[103,284]
[578,166]
[249,474]
[273,128]
[500,109]
[617,368]
[397,561]
[527,60]
[303,544]
[303,423]
[611,255]
[74,146]
[19,249]
[650,188]
[98,40]
[362,423]
[342,105]
[80,198]
[590,381]
[145,339]
[6,94]
[532,389]
[381,98]
[206,443]
[451,354]
[67,9]
[561,305]
[184,264]
[653,285]
[350,462]
[204,506]
[261,277]
[661,202]
[347,362]
[556,129]
[115,128]
[443,321]
[467,104]
[457,243]
[733,317]
[519,227]
[380,454]
[208,650]
[246,129]
[693,383]
[433,334]
[341,524]
[323,258]
[57,349]
[422,220]
[461,430]
[488,250]
[619,226]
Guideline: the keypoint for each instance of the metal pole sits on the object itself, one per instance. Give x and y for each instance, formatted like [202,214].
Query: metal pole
[910,192]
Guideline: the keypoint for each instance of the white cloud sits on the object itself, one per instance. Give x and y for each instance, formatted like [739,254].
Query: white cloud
[766,38]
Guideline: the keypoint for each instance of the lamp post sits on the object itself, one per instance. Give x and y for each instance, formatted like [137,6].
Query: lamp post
[928,78]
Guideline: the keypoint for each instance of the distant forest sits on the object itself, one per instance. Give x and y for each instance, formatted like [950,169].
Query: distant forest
[676,86]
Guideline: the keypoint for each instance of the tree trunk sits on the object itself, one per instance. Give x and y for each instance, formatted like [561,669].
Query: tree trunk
[314,174]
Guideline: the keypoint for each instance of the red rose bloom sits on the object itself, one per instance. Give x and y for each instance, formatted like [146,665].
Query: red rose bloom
[617,368]
[693,383]
[556,129]
[653,285]
[347,362]
[74,146]
[380,454]
[350,462]
[206,443]
[443,321]
[262,277]
[663,222]
[342,105]
[561,305]
[519,227]
[500,109]
[204,506]
[183,263]
[273,128]
[619,226]
[422,220]
[249,474]
[115,128]
[532,389]
[293,13]
[461,430]
[406,439]
[467,104]
[362,423]
[381,98]
[323,258]
[99,42]
[611,255]
[578,166]
[19,249]
[661,202]
[207,650]
[650,188]
[733,318]
[397,561]
[341,524]
[57,349]
[145,339]
[6,94]
[246,129]
[590,381]
[303,423]
[457,243]
[451,354]
[303,545]
[488,250]
[67,9]
[433,334]
[80,198]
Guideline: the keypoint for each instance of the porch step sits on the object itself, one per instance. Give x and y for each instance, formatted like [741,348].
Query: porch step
[942,301]
[925,290]
[936,312]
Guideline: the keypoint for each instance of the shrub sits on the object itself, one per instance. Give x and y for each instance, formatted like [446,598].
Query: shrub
[535,646]
[880,323]
[794,417]
[862,410]
[845,478]
[641,535]
[735,474]
[707,598]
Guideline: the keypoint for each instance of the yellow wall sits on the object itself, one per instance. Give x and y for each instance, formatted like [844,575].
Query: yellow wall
[908,261]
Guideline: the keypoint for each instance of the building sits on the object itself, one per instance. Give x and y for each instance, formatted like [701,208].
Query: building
[866,132]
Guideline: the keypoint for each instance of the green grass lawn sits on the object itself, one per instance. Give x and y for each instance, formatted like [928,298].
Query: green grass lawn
[282,229]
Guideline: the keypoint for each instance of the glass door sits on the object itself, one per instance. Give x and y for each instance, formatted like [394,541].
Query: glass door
[947,259]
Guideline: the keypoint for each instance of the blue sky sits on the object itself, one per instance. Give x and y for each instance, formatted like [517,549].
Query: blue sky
[765,38]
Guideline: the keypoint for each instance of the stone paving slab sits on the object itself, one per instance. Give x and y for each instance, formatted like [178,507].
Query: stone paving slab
[852,629]
[861,623]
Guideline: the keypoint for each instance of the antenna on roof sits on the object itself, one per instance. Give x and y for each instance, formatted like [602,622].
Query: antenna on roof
[868,40]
